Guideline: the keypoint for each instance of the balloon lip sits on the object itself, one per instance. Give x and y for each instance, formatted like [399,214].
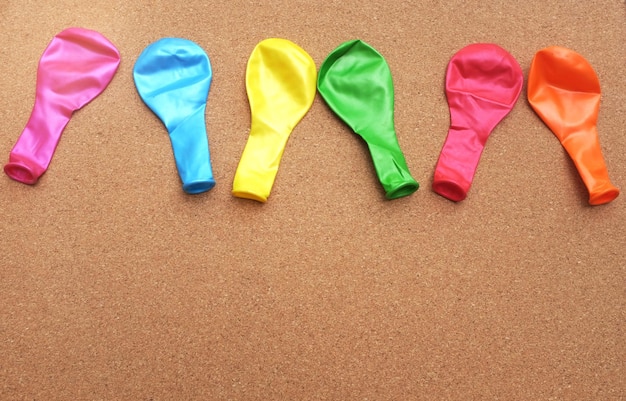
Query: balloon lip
[21,172]
[198,186]
[401,190]
[604,196]
[249,195]
[450,190]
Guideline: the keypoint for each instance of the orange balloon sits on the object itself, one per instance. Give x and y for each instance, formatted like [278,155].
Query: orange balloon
[564,91]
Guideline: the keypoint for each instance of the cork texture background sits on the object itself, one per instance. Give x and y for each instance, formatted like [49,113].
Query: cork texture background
[116,285]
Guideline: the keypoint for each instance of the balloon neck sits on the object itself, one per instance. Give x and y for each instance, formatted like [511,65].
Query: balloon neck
[391,168]
[458,162]
[473,114]
[273,127]
[190,146]
[260,160]
[32,153]
[584,149]
[578,134]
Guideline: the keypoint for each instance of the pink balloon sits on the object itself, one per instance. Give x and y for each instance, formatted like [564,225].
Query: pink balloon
[77,66]
[483,82]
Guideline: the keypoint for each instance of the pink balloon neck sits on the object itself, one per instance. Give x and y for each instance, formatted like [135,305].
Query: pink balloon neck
[77,66]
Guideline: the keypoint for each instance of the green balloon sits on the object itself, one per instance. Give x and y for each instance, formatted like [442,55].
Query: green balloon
[355,81]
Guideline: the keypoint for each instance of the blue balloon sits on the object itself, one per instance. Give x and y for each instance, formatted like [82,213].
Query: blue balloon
[173,77]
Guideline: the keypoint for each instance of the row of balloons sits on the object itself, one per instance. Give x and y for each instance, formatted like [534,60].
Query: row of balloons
[173,77]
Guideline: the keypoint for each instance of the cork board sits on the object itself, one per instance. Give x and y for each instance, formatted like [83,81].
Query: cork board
[116,285]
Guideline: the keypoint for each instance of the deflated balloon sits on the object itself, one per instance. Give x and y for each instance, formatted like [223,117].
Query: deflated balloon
[77,66]
[483,82]
[173,77]
[564,91]
[355,81]
[280,82]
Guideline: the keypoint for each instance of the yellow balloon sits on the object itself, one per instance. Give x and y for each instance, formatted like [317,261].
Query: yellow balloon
[281,85]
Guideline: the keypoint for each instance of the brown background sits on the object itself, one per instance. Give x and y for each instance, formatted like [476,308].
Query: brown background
[115,285]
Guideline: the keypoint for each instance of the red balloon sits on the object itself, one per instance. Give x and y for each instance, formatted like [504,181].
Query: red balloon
[483,82]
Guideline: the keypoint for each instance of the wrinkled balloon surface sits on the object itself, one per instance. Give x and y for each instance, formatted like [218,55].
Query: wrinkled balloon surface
[564,91]
[483,83]
[280,82]
[356,83]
